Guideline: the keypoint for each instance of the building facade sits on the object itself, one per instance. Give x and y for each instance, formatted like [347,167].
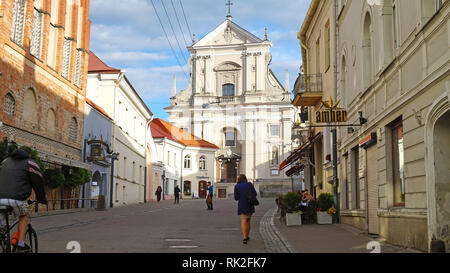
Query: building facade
[43,66]
[394,68]
[186,161]
[235,101]
[110,89]
[316,84]
[96,147]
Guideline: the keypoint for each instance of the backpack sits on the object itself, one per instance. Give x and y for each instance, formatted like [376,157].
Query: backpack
[251,196]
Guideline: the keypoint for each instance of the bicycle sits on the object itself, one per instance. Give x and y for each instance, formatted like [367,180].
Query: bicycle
[6,246]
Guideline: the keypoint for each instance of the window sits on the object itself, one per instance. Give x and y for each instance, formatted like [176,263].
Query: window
[187,162]
[18,21]
[187,188]
[274,130]
[228,90]
[174,160]
[124,167]
[274,160]
[73,129]
[9,105]
[394,23]
[133,175]
[355,178]
[37,30]
[168,158]
[439,4]
[398,164]
[202,163]
[66,58]
[77,77]
[51,121]
[367,51]
[230,137]
[166,186]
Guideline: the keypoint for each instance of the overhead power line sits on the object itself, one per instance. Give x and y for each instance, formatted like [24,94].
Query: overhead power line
[178,20]
[167,37]
[173,31]
[185,19]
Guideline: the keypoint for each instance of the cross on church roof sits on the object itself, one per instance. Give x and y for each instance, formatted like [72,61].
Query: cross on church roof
[229,4]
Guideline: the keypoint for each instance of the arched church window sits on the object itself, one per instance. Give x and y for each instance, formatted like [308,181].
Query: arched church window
[29,106]
[367,51]
[228,90]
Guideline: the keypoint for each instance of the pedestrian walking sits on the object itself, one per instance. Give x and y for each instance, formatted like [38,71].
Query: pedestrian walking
[158,193]
[245,194]
[209,197]
[177,195]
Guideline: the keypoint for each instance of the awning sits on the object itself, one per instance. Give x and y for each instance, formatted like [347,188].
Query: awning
[295,170]
[59,160]
[299,152]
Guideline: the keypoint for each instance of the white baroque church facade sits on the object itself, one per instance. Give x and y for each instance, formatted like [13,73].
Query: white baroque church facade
[235,101]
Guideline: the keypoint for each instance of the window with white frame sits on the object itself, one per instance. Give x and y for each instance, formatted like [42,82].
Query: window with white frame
[53,35]
[187,162]
[18,21]
[274,130]
[202,163]
[230,137]
[77,76]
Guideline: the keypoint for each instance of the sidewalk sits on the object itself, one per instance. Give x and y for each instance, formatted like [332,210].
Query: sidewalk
[336,238]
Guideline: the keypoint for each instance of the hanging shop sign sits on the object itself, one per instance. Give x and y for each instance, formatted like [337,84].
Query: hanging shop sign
[330,113]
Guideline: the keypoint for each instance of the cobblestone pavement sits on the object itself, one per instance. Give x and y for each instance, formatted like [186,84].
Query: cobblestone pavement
[274,241]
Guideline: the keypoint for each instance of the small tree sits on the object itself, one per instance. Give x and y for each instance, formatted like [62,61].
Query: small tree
[292,200]
[325,201]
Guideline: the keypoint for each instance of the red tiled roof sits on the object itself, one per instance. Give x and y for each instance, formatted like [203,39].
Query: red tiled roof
[96,65]
[98,108]
[163,129]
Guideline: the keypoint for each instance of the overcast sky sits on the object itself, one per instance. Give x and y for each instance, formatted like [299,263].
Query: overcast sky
[127,35]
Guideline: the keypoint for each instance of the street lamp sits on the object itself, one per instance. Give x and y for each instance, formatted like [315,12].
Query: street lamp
[163,178]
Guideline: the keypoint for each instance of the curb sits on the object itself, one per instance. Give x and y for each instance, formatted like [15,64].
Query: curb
[274,241]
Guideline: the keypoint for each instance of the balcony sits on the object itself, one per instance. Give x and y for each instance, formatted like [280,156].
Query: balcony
[308,90]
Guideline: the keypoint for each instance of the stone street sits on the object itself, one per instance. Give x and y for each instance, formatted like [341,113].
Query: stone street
[190,228]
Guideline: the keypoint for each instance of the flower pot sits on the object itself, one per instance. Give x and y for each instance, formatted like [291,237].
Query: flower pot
[293,219]
[324,218]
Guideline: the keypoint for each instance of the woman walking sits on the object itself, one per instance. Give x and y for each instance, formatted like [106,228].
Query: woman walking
[245,210]
[158,193]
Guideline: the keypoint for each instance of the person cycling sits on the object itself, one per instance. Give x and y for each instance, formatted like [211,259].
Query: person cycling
[19,175]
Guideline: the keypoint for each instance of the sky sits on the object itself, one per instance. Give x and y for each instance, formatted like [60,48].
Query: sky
[128,35]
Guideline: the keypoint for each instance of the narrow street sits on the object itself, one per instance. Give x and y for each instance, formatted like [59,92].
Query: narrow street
[190,228]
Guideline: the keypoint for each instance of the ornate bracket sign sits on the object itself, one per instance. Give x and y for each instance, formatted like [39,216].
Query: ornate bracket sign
[97,150]
[330,113]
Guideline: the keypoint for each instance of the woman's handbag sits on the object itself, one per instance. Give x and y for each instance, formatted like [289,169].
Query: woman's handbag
[251,197]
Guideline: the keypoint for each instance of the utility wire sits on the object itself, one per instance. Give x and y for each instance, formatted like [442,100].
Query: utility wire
[173,31]
[178,20]
[185,19]
[167,37]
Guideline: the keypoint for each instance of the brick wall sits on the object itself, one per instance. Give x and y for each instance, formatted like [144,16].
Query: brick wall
[21,71]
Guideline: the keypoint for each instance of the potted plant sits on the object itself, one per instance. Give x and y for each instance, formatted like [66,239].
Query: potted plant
[325,209]
[293,212]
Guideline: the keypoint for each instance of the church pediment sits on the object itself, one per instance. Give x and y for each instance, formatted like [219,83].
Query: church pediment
[227,66]
[228,33]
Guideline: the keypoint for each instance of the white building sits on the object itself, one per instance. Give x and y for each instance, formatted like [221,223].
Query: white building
[110,89]
[235,101]
[186,161]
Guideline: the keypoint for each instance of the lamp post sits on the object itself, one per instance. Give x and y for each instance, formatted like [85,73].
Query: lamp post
[114,157]
[163,178]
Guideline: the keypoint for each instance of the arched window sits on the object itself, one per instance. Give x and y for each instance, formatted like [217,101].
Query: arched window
[202,163]
[73,129]
[187,162]
[18,21]
[51,121]
[343,79]
[9,105]
[228,90]
[367,51]
[29,106]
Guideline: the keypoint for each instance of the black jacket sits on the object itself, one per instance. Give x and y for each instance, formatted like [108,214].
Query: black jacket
[19,175]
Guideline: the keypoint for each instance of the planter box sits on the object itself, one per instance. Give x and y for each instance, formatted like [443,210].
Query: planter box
[324,218]
[293,219]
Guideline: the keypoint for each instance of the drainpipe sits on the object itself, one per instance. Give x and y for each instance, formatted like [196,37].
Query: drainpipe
[181,173]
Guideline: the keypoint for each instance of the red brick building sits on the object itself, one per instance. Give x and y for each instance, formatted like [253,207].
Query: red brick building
[43,64]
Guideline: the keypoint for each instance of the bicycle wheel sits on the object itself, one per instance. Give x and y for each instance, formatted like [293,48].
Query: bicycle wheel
[31,239]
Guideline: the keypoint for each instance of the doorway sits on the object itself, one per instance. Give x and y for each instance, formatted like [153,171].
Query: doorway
[202,188]
[231,172]
[372,190]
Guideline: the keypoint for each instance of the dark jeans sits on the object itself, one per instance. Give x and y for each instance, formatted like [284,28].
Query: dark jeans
[210,206]
[177,199]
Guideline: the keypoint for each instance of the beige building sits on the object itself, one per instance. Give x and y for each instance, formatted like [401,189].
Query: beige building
[110,89]
[317,83]
[235,101]
[393,66]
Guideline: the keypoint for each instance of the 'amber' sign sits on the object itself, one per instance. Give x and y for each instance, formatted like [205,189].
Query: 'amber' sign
[330,113]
